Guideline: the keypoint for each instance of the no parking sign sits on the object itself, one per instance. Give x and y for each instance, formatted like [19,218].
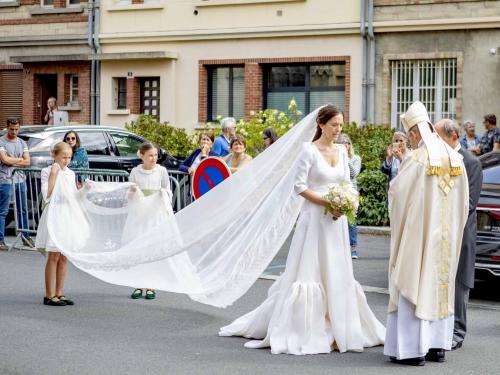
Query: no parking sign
[210,173]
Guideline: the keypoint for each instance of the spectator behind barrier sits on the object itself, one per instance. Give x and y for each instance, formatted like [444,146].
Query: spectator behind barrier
[80,159]
[354,169]
[13,154]
[470,140]
[189,165]
[269,136]
[491,139]
[237,159]
[396,152]
[222,143]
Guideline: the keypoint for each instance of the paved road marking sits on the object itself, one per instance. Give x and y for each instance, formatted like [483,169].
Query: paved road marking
[477,304]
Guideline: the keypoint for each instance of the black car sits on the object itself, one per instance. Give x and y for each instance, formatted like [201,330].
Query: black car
[107,147]
[488,220]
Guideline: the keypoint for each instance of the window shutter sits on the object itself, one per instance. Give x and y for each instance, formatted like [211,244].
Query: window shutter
[11,95]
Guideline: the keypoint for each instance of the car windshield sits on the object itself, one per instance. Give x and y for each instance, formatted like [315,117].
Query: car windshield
[36,144]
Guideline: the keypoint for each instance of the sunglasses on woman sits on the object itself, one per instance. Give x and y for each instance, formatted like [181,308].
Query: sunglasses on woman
[70,139]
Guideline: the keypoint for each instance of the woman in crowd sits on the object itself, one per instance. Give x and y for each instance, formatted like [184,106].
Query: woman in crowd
[237,159]
[80,159]
[51,108]
[354,162]
[396,152]
[470,139]
[206,141]
[269,136]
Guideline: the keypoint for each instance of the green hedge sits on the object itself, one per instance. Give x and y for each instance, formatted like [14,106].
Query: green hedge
[176,141]
[370,142]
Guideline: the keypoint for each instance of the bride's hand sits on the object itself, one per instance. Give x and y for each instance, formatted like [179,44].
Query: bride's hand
[335,214]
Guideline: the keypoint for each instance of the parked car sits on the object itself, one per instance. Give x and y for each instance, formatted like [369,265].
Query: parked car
[107,147]
[488,220]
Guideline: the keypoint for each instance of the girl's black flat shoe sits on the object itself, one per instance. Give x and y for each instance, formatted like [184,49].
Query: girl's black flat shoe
[66,300]
[137,294]
[150,294]
[50,302]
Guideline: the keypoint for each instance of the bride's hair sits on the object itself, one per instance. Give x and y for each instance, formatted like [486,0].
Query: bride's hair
[324,115]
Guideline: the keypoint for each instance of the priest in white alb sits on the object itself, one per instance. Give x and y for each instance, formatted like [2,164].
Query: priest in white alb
[428,207]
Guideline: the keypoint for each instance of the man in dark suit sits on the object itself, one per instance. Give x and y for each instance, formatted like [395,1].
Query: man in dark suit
[450,132]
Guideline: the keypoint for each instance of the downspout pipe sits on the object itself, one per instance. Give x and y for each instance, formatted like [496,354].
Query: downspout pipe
[371,70]
[90,39]
[97,46]
[362,30]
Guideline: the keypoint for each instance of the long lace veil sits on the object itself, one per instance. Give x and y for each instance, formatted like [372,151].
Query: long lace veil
[213,250]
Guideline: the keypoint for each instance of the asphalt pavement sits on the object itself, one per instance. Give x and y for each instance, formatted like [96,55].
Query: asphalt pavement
[108,333]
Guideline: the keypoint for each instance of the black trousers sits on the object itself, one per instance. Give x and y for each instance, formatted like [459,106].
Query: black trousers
[461,301]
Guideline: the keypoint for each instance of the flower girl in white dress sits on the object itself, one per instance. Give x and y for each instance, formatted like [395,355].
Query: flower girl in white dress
[316,305]
[57,264]
[150,205]
[149,178]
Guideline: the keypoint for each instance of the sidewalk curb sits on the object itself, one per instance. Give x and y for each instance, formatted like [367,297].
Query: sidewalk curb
[379,231]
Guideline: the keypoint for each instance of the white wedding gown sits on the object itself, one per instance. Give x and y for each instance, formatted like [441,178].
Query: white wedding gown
[316,304]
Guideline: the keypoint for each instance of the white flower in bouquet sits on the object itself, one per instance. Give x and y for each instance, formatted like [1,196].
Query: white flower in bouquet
[344,199]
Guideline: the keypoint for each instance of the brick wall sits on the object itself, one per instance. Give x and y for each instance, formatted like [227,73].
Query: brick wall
[253,88]
[254,80]
[134,95]
[31,89]
[202,93]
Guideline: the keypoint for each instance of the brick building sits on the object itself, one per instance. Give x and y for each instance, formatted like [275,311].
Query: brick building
[44,53]
[442,52]
[189,62]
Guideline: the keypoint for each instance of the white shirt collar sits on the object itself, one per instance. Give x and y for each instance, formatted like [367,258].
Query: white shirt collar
[458,147]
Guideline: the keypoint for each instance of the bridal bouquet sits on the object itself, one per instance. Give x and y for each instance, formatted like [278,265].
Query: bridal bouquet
[343,198]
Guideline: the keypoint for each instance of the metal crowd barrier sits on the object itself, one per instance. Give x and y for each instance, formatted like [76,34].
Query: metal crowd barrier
[181,189]
[27,198]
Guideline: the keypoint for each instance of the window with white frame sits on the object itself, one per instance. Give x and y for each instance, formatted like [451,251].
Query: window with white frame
[433,82]
[73,89]
[47,3]
[226,92]
[120,93]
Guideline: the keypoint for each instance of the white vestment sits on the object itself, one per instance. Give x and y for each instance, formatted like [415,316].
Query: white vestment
[428,208]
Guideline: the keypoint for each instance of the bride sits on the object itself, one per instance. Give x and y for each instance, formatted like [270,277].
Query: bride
[316,304]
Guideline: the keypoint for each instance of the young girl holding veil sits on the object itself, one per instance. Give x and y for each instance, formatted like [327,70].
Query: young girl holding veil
[57,264]
[149,178]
